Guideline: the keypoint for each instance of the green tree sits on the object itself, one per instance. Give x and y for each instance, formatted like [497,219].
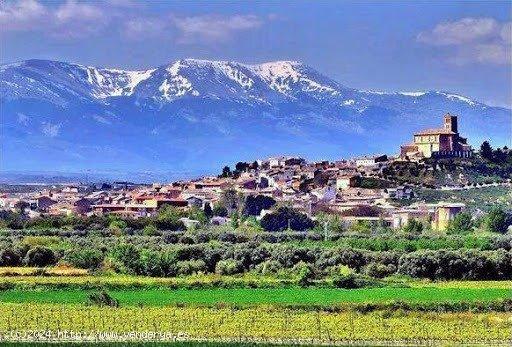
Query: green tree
[220,210]
[413,226]
[168,219]
[226,172]
[40,256]
[128,257]
[208,212]
[87,258]
[462,223]
[21,206]
[253,205]
[486,150]
[235,220]
[151,230]
[286,218]
[231,199]
[498,220]
[196,213]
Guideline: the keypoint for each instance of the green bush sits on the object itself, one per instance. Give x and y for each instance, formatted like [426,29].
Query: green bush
[190,267]
[85,258]
[102,299]
[378,270]
[229,267]
[286,218]
[40,257]
[9,257]
[498,220]
[268,267]
[151,230]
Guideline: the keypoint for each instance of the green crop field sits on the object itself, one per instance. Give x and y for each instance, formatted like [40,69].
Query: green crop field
[292,296]
[262,324]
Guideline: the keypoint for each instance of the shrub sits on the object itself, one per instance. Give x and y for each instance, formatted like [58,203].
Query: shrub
[268,267]
[40,256]
[462,223]
[84,258]
[286,218]
[305,272]
[128,256]
[151,263]
[378,270]
[117,225]
[8,257]
[189,267]
[229,267]
[498,221]
[220,210]
[102,299]
[255,204]
[151,230]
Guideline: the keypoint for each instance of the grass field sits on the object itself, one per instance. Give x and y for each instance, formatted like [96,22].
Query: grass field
[295,296]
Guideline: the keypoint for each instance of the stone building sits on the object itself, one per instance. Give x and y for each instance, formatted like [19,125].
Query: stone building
[440,142]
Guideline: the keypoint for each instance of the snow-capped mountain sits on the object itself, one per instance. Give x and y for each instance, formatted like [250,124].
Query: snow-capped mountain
[198,114]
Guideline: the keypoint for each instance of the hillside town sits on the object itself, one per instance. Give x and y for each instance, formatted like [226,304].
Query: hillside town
[339,187]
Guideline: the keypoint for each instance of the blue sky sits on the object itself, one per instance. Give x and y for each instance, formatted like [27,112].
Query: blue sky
[463,47]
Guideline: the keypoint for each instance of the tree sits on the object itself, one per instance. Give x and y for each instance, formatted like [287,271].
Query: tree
[87,258]
[197,214]
[413,227]
[254,165]
[241,166]
[208,212]
[462,223]
[231,200]
[40,256]
[255,204]
[168,219]
[286,218]
[21,206]
[486,150]
[226,172]
[128,256]
[220,210]
[498,220]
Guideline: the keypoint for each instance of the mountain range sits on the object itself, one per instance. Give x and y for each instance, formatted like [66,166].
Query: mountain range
[193,116]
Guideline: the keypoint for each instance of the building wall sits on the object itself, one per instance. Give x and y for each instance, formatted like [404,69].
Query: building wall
[443,217]
[427,144]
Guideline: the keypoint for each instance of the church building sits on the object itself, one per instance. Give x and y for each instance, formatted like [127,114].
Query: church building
[440,142]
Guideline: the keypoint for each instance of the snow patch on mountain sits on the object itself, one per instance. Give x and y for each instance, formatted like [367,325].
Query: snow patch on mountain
[415,94]
[458,98]
[282,75]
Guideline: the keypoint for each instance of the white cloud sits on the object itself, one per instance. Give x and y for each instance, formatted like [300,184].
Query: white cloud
[23,118]
[461,31]
[78,19]
[70,19]
[214,28]
[21,15]
[51,130]
[472,40]
[142,28]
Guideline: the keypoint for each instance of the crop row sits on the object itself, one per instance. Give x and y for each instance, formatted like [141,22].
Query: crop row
[262,324]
